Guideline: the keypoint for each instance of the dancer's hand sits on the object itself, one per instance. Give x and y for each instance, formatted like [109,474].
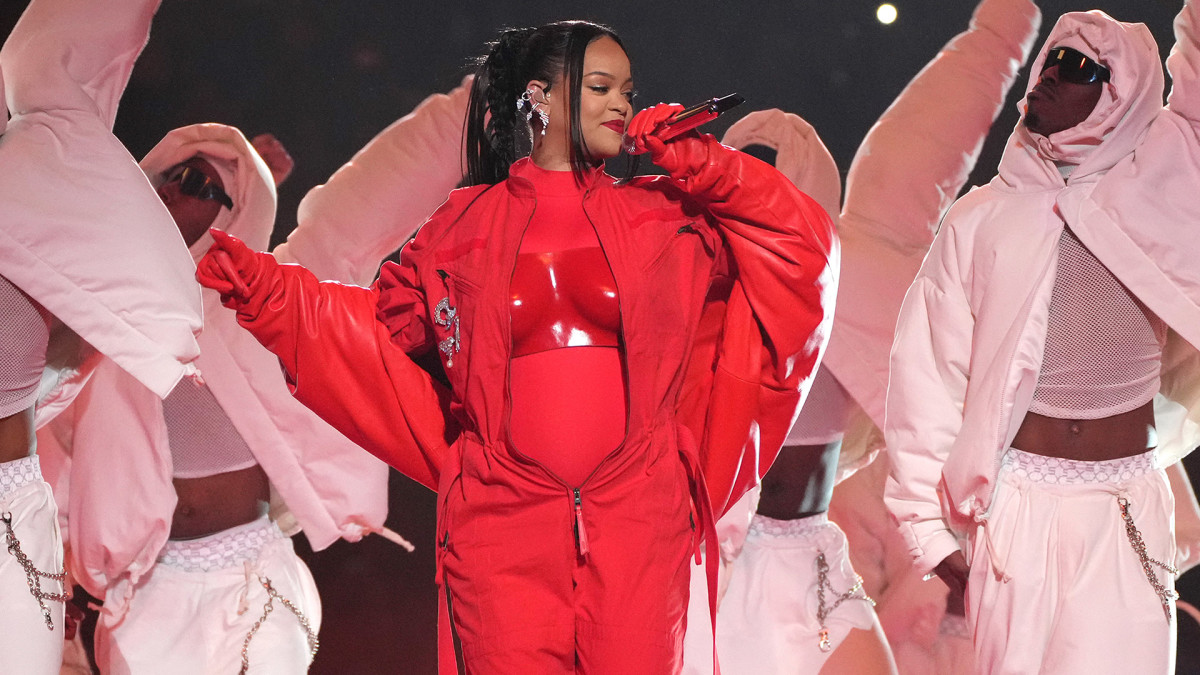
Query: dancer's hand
[954,570]
[275,155]
[229,268]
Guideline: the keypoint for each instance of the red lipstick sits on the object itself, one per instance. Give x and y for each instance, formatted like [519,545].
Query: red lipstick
[616,125]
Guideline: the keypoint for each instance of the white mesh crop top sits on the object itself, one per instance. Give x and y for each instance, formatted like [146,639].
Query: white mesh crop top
[24,337]
[1103,347]
[825,414]
[203,440]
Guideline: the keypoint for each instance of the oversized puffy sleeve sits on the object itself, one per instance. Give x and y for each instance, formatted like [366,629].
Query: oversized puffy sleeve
[1184,64]
[930,362]
[376,201]
[783,266]
[342,363]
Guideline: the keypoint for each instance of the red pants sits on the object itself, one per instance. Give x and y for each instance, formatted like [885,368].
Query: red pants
[523,600]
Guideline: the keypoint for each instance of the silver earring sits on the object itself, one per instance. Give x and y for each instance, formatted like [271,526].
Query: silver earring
[524,99]
[543,116]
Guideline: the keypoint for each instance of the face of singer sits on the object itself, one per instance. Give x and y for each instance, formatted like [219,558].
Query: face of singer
[605,101]
[192,215]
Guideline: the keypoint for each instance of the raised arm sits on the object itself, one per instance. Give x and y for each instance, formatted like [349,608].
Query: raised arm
[1184,64]
[784,262]
[908,170]
[339,360]
[378,199]
[73,198]
[930,360]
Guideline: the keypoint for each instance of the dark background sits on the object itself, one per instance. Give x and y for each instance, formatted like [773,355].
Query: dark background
[327,76]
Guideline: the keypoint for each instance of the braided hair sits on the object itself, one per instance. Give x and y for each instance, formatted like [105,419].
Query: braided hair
[497,132]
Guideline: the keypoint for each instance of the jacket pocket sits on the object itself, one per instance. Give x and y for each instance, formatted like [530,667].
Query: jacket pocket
[683,243]
[448,313]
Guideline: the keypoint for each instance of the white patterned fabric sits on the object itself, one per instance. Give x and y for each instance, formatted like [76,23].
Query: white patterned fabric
[225,549]
[196,622]
[1060,471]
[763,526]
[18,473]
[1103,347]
[24,336]
[1056,587]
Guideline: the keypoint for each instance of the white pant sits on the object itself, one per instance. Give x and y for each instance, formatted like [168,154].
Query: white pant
[767,622]
[27,646]
[1056,586]
[191,614]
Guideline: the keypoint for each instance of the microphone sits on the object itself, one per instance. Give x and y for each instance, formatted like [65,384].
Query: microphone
[689,118]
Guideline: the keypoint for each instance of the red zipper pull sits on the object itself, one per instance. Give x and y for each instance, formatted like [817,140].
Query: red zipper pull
[580,532]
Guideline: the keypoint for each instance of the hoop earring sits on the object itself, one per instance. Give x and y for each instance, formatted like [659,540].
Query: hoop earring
[523,99]
[526,99]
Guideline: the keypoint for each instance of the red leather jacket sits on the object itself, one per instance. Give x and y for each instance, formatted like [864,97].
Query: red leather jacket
[726,275]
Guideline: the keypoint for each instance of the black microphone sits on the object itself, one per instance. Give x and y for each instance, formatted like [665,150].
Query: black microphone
[689,118]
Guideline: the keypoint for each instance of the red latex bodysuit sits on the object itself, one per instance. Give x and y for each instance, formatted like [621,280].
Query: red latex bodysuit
[568,390]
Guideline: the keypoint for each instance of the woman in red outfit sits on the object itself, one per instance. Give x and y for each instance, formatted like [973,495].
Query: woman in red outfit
[610,349]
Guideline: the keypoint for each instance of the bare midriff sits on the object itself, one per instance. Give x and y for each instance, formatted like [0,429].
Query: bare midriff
[16,436]
[219,502]
[800,482]
[1093,440]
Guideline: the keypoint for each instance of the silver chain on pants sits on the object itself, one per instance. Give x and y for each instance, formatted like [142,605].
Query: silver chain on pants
[313,643]
[1165,595]
[823,610]
[34,576]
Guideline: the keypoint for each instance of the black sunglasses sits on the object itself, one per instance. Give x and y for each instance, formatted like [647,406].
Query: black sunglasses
[193,183]
[1074,67]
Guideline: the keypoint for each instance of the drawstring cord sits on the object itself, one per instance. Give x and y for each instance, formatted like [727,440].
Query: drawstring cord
[998,566]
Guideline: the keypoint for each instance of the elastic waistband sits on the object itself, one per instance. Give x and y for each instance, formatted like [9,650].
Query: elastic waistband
[225,549]
[18,473]
[794,529]
[1060,471]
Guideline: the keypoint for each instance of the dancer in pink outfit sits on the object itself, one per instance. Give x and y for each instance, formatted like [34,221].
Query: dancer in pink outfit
[69,286]
[904,176]
[1045,366]
[226,447]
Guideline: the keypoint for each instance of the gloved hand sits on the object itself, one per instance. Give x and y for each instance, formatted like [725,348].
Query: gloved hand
[230,268]
[641,133]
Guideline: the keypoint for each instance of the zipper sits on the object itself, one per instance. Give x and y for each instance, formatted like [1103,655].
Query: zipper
[581,539]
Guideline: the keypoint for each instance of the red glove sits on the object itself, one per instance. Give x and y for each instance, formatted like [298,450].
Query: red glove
[230,268]
[641,132]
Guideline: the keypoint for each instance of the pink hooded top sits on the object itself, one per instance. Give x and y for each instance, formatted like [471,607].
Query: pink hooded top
[958,393]
[906,172]
[83,232]
[326,485]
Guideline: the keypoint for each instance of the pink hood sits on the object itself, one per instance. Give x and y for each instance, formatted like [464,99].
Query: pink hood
[800,154]
[1132,199]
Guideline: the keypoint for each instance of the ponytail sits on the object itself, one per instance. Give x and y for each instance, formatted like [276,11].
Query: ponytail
[492,123]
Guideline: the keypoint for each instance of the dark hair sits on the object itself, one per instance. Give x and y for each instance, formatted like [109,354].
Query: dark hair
[497,133]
